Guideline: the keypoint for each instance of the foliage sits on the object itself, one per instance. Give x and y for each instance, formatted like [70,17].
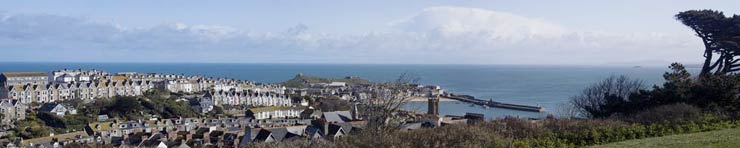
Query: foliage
[51,120]
[719,34]
[668,114]
[714,93]
[385,100]
[32,127]
[606,97]
[217,110]
[717,92]
[154,102]
[127,108]
[514,132]
[158,103]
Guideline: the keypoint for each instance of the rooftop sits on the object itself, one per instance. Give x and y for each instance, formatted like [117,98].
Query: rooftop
[25,74]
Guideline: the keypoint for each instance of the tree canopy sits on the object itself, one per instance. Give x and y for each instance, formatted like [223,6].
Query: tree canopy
[720,35]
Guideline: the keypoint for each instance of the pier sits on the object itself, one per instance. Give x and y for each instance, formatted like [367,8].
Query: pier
[491,103]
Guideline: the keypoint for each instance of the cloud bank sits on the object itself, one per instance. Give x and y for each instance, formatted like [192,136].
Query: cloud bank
[449,35]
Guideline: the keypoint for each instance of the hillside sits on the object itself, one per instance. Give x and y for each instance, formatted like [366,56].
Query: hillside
[719,138]
[300,81]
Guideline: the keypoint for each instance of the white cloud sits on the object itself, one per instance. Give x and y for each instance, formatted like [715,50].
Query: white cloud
[435,35]
[496,25]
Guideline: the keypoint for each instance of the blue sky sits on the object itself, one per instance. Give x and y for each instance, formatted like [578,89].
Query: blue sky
[630,32]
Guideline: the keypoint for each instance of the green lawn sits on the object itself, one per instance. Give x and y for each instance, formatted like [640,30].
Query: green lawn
[720,138]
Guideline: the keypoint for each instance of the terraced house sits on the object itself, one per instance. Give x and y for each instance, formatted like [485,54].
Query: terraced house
[12,110]
[86,91]
[22,78]
[247,98]
[28,87]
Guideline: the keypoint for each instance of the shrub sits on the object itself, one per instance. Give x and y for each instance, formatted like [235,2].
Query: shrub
[607,97]
[668,114]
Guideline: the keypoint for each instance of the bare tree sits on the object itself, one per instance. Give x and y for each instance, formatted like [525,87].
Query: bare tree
[386,100]
[593,100]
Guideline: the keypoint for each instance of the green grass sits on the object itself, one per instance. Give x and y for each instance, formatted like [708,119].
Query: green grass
[719,138]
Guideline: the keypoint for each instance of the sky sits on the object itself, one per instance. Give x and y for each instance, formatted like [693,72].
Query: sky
[523,32]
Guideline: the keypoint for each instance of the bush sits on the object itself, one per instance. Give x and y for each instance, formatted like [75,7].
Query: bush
[51,120]
[668,114]
[607,97]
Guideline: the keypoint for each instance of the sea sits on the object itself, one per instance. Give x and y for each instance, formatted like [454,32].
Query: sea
[548,86]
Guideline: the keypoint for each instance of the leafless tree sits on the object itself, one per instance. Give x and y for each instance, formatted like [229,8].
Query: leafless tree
[593,98]
[386,100]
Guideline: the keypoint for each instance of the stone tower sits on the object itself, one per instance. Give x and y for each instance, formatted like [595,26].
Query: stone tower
[433,107]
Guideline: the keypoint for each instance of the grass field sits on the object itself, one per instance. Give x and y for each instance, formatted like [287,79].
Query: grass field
[721,138]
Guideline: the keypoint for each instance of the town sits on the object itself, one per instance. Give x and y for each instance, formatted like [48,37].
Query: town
[129,109]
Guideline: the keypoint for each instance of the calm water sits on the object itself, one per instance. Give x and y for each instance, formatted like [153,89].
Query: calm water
[547,86]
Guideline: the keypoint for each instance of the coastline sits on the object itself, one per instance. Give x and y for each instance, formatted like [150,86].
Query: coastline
[424,99]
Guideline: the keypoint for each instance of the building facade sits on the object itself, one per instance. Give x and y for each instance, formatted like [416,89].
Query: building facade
[12,110]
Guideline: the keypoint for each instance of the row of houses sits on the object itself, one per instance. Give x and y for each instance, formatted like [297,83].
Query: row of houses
[53,92]
[77,75]
[221,132]
[284,124]
[191,84]
[23,78]
[247,98]
[89,84]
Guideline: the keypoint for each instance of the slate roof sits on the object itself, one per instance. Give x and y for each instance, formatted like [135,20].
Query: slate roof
[334,129]
[279,133]
[338,116]
[8,102]
[48,107]
[263,135]
[313,132]
[183,145]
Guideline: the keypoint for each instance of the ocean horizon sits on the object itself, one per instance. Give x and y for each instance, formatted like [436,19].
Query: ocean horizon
[549,86]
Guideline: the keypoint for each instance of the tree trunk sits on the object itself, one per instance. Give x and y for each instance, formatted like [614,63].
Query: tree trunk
[706,68]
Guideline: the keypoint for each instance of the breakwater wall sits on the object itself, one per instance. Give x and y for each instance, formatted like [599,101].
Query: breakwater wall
[491,103]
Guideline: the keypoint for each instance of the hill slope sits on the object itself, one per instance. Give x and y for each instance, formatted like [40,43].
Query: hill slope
[720,138]
[300,81]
